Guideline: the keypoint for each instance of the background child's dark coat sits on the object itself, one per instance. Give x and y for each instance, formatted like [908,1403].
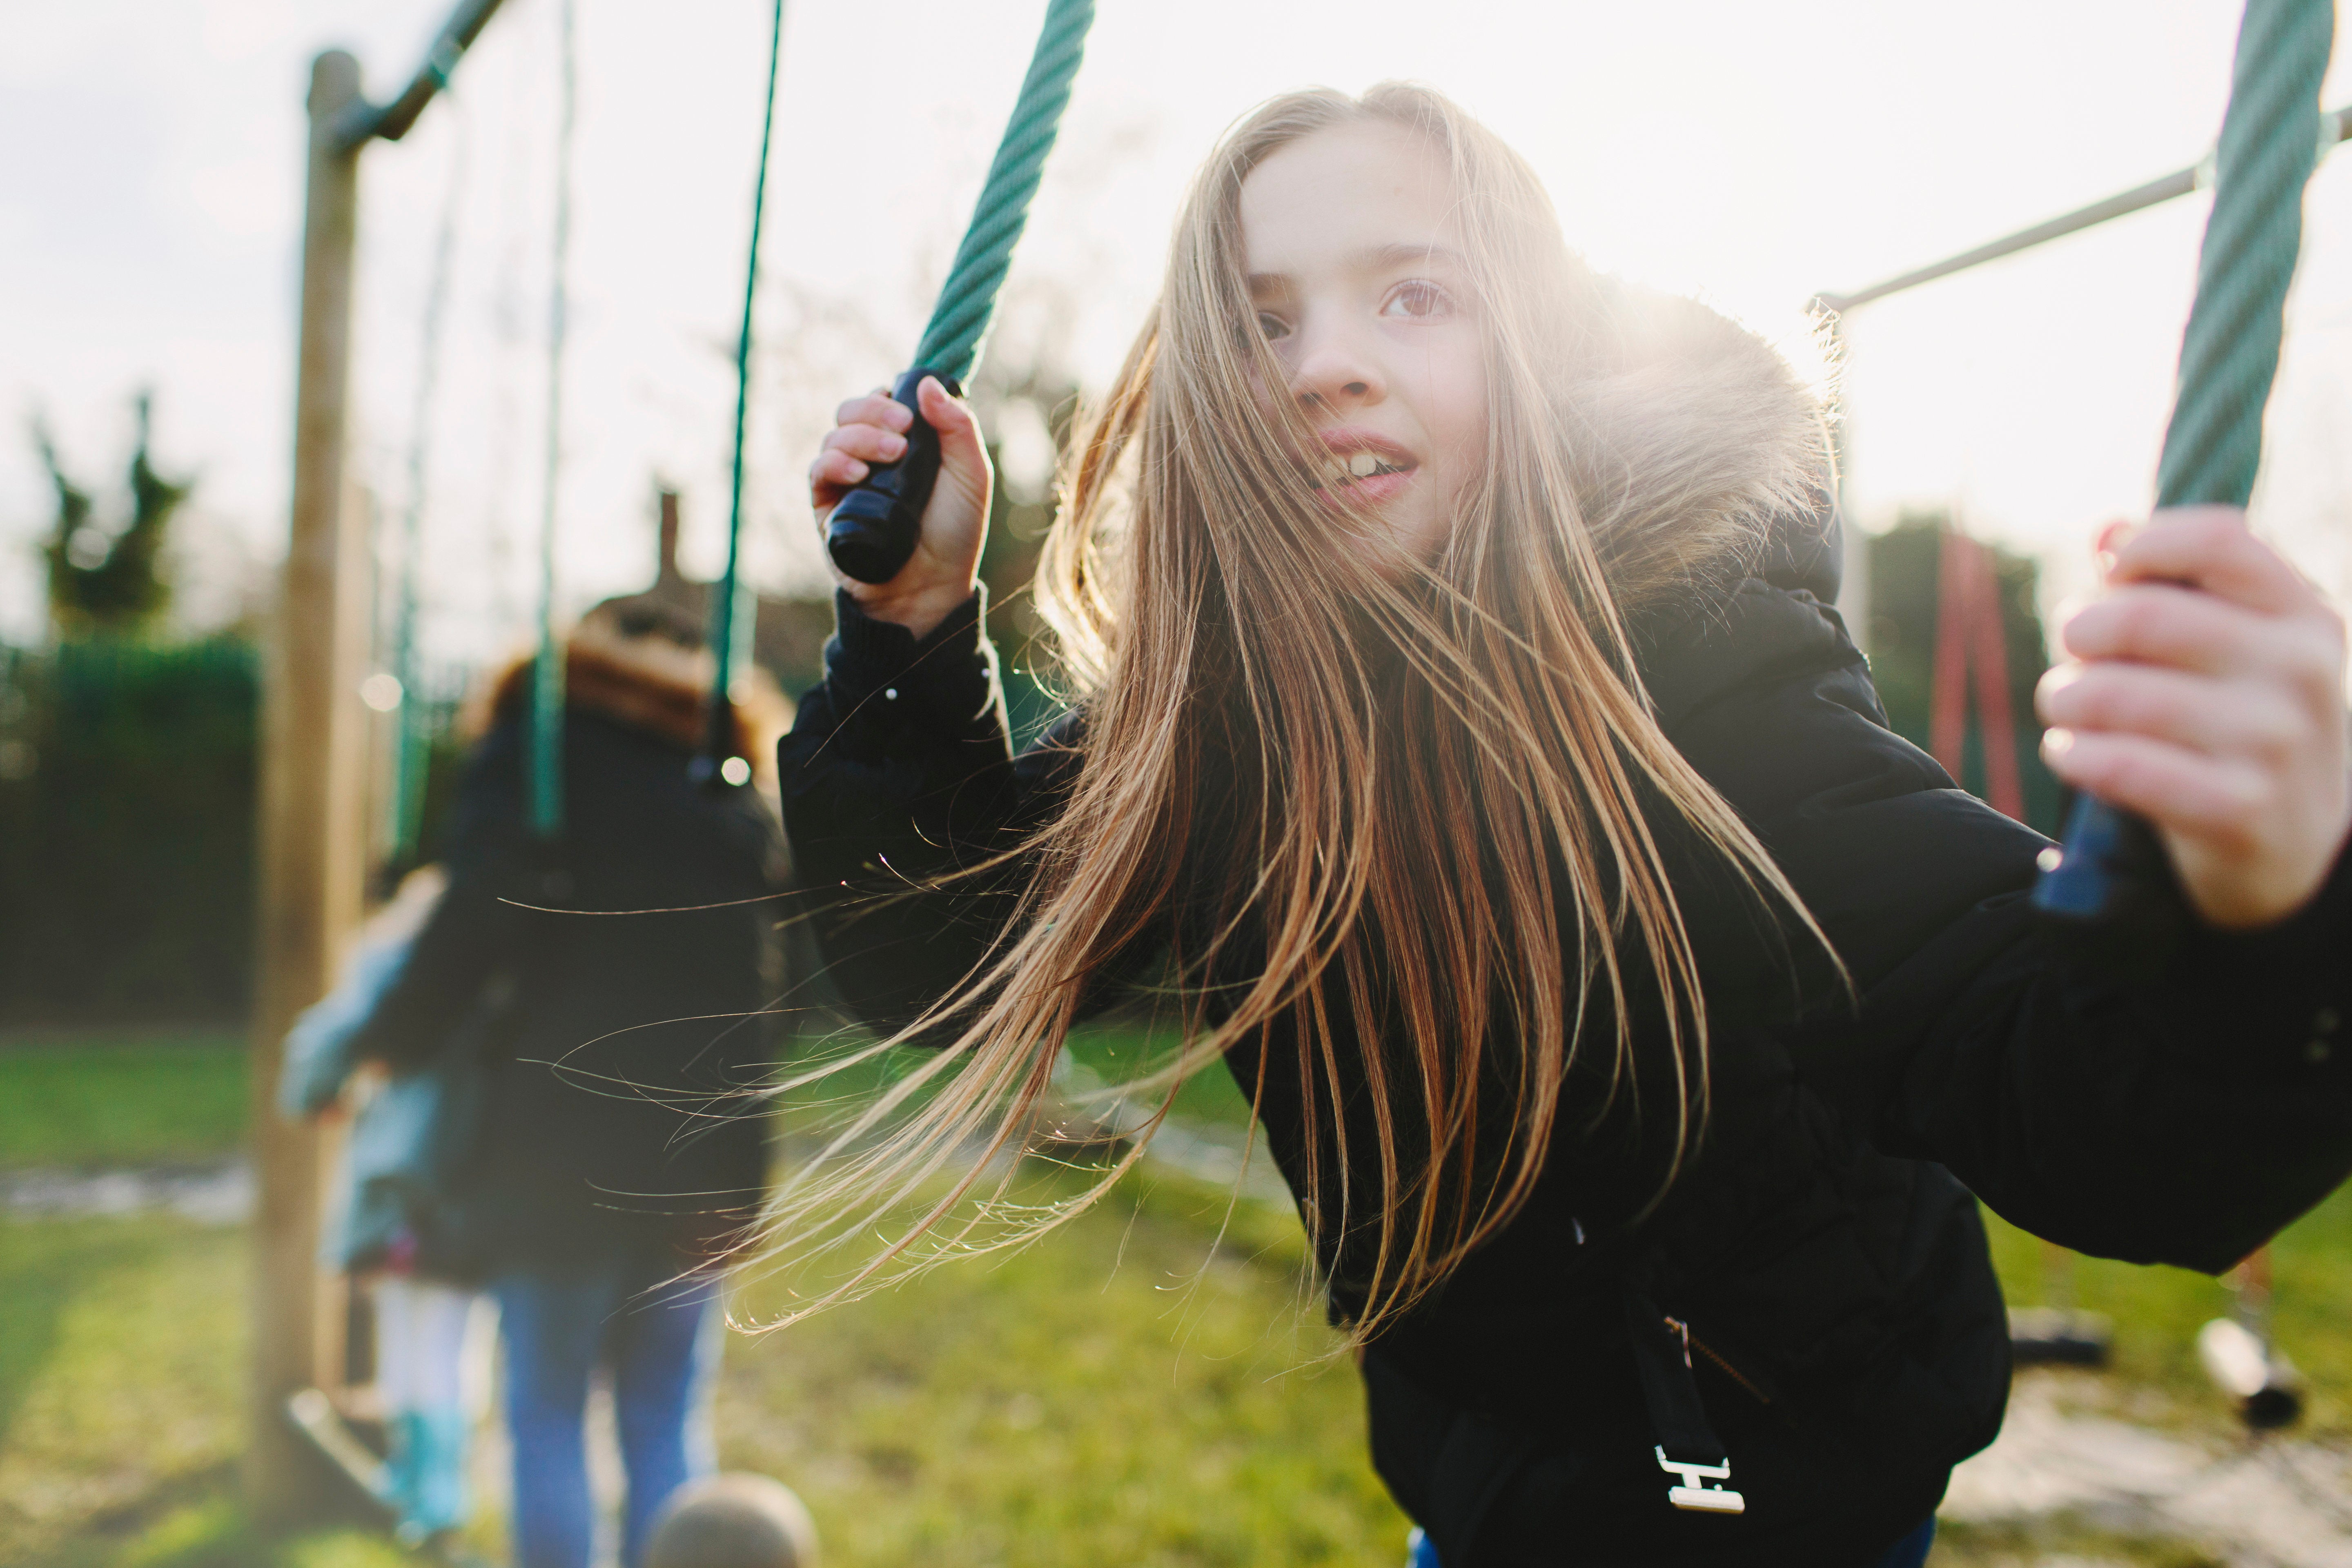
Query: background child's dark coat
[620,1049]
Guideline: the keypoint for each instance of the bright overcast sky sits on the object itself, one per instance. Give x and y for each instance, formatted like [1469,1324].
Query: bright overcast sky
[149,207]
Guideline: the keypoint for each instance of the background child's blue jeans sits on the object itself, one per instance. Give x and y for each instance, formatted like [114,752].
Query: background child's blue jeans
[1911,1551]
[661,1341]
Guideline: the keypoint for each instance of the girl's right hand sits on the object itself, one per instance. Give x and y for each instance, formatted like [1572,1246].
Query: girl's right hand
[946,563]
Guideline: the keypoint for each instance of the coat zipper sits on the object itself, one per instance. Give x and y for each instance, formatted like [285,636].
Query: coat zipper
[1693,1343]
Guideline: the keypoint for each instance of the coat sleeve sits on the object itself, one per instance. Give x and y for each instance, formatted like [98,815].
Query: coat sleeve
[2178,1096]
[476,930]
[899,771]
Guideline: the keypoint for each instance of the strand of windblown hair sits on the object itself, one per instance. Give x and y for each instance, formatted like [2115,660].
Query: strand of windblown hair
[547,671]
[410,752]
[731,612]
[2270,139]
[951,342]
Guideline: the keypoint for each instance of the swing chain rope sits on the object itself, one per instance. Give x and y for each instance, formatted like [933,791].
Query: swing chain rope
[412,745]
[2229,356]
[546,672]
[951,342]
[732,612]
[872,532]
[2270,141]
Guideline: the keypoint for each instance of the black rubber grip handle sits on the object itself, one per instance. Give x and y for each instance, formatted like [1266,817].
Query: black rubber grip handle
[872,533]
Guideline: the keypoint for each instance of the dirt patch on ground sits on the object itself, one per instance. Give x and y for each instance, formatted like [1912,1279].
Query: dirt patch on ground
[2075,1479]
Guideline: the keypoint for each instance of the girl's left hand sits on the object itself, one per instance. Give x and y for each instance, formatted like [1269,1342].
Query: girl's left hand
[2206,694]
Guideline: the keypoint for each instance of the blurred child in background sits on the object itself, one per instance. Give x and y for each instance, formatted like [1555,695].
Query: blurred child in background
[386,1225]
[614,1149]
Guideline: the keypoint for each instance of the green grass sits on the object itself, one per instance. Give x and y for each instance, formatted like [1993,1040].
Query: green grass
[120,1346]
[2157,1312]
[1113,1052]
[122,1099]
[163,1098]
[1116,1054]
[1117,1394]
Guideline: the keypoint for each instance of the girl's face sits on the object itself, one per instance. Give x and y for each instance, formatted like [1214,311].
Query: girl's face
[1359,276]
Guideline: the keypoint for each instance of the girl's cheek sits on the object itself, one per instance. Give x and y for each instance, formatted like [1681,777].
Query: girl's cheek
[1460,394]
[1464,434]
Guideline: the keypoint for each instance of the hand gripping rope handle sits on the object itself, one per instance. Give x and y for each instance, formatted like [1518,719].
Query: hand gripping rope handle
[2270,139]
[872,533]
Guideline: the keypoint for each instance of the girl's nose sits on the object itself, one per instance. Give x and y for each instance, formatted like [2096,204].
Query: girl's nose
[1333,371]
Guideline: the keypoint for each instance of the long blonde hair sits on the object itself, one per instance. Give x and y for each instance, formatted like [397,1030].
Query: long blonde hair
[1422,810]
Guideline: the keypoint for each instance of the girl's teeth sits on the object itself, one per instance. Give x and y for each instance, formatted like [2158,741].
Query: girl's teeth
[1359,466]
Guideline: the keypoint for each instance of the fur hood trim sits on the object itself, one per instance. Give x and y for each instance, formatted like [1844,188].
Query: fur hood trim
[652,684]
[1694,445]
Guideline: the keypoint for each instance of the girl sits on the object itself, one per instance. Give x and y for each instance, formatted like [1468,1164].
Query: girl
[1463,724]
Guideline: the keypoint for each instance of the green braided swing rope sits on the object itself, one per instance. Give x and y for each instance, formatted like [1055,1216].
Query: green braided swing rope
[546,775]
[872,533]
[2270,139]
[951,343]
[412,742]
[732,612]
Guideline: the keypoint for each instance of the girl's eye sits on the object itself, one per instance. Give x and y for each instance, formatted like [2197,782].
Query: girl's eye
[1271,327]
[1417,300]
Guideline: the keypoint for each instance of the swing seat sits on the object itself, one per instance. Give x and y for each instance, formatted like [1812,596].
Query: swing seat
[2263,1384]
[2052,1336]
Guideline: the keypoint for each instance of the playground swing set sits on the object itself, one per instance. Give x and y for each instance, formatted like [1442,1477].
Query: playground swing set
[314,840]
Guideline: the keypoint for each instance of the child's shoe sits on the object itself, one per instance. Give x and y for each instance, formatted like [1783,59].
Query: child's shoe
[401,1443]
[435,1498]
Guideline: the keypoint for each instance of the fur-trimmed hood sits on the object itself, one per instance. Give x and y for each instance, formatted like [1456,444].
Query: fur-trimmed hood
[1697,450]
[652,684]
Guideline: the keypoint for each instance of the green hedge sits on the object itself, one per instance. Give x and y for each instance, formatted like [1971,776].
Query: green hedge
[127,811]
[128,776]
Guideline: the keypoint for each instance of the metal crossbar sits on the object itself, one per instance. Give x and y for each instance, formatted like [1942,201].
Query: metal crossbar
[2334,127]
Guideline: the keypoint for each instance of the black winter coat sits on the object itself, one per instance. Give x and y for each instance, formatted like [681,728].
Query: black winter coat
[617,1048]
[1846,1341]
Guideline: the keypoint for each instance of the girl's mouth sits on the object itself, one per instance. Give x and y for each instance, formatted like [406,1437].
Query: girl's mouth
[1362,476]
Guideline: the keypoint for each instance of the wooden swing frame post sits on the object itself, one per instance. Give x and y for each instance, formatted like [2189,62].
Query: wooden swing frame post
[2334,128]
[312,861]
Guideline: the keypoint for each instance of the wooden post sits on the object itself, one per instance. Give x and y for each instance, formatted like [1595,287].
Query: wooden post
[313,831]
